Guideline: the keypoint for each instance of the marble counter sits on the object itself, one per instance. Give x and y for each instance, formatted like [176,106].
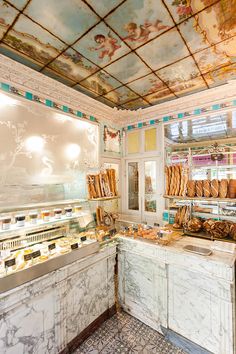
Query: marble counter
[192,295]
[44,315]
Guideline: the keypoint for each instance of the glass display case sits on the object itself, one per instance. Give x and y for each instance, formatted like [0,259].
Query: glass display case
[200,176]
[36,239]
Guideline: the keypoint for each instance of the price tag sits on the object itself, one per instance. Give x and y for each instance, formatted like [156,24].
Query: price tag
[10,262]
[52,246]
[83,238]
[27,257]
[74,246]
[36,254]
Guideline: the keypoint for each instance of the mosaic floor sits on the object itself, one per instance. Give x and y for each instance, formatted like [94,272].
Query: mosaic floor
[125,334]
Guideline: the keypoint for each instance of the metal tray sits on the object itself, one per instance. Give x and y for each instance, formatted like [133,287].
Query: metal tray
[199,250]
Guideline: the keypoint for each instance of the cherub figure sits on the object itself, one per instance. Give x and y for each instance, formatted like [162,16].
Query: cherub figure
[107,44]
[141,33]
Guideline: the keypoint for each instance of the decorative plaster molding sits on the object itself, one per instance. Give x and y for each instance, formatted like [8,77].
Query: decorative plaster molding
[24,78]
[27,79]
[212,96]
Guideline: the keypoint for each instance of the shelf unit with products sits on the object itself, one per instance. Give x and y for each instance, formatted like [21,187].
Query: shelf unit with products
[30,250]
[200,177]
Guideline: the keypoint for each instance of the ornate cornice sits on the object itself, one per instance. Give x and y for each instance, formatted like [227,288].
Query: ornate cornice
[212,96]
[27,79]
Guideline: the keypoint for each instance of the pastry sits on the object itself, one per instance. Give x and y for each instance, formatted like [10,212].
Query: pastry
[223,188]
[207,188]
[176,226]
[199,188]
[191,188]
[215,188]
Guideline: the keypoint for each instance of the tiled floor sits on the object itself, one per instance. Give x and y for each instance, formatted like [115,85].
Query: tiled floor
[125,334]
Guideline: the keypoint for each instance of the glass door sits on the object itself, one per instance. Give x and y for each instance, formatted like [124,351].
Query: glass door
[133,186]
[150,186]
[144,187]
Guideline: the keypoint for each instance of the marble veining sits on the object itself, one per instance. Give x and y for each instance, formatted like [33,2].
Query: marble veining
[192,295]
[44,315]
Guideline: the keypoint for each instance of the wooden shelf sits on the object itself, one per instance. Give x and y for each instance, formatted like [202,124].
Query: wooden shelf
[103,199]
[210,199]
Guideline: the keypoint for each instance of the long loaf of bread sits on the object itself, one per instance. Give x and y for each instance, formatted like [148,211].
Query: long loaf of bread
[207,188]
[214,188]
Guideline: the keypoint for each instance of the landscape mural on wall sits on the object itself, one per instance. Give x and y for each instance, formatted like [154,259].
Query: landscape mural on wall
[127,54]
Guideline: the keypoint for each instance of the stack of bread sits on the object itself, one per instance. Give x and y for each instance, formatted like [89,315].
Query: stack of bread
[181,217]
[176,180]
[215,228]
[102,184]
[214,188]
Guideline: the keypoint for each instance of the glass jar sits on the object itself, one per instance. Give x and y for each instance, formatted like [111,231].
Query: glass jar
[68,211]
[33,216]
[57,213]
[46,215]
[20,220]
[77,209]
[6,223]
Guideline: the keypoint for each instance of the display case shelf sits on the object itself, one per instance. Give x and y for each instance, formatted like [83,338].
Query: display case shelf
[210,199]
[103,199]
[31,206]
[40,224]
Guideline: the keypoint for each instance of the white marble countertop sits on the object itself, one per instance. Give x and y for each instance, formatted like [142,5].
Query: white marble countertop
[225,258]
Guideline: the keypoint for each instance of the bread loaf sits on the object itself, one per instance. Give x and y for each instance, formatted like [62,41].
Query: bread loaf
[207,188]
[167,175]
[232,188]
[177,179]
[223,188]
[194,225]
[215,188]
[217,229]
[191,191]
[184,181]
[199,188]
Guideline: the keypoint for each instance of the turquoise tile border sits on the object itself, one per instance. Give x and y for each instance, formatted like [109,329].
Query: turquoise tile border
[47,102]
[5,87]
[29,96]
[194,113]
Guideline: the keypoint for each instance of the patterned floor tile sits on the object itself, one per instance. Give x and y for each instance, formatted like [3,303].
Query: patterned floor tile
[123,334]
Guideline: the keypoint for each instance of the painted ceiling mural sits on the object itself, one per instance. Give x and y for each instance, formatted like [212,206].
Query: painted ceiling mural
[124,53]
